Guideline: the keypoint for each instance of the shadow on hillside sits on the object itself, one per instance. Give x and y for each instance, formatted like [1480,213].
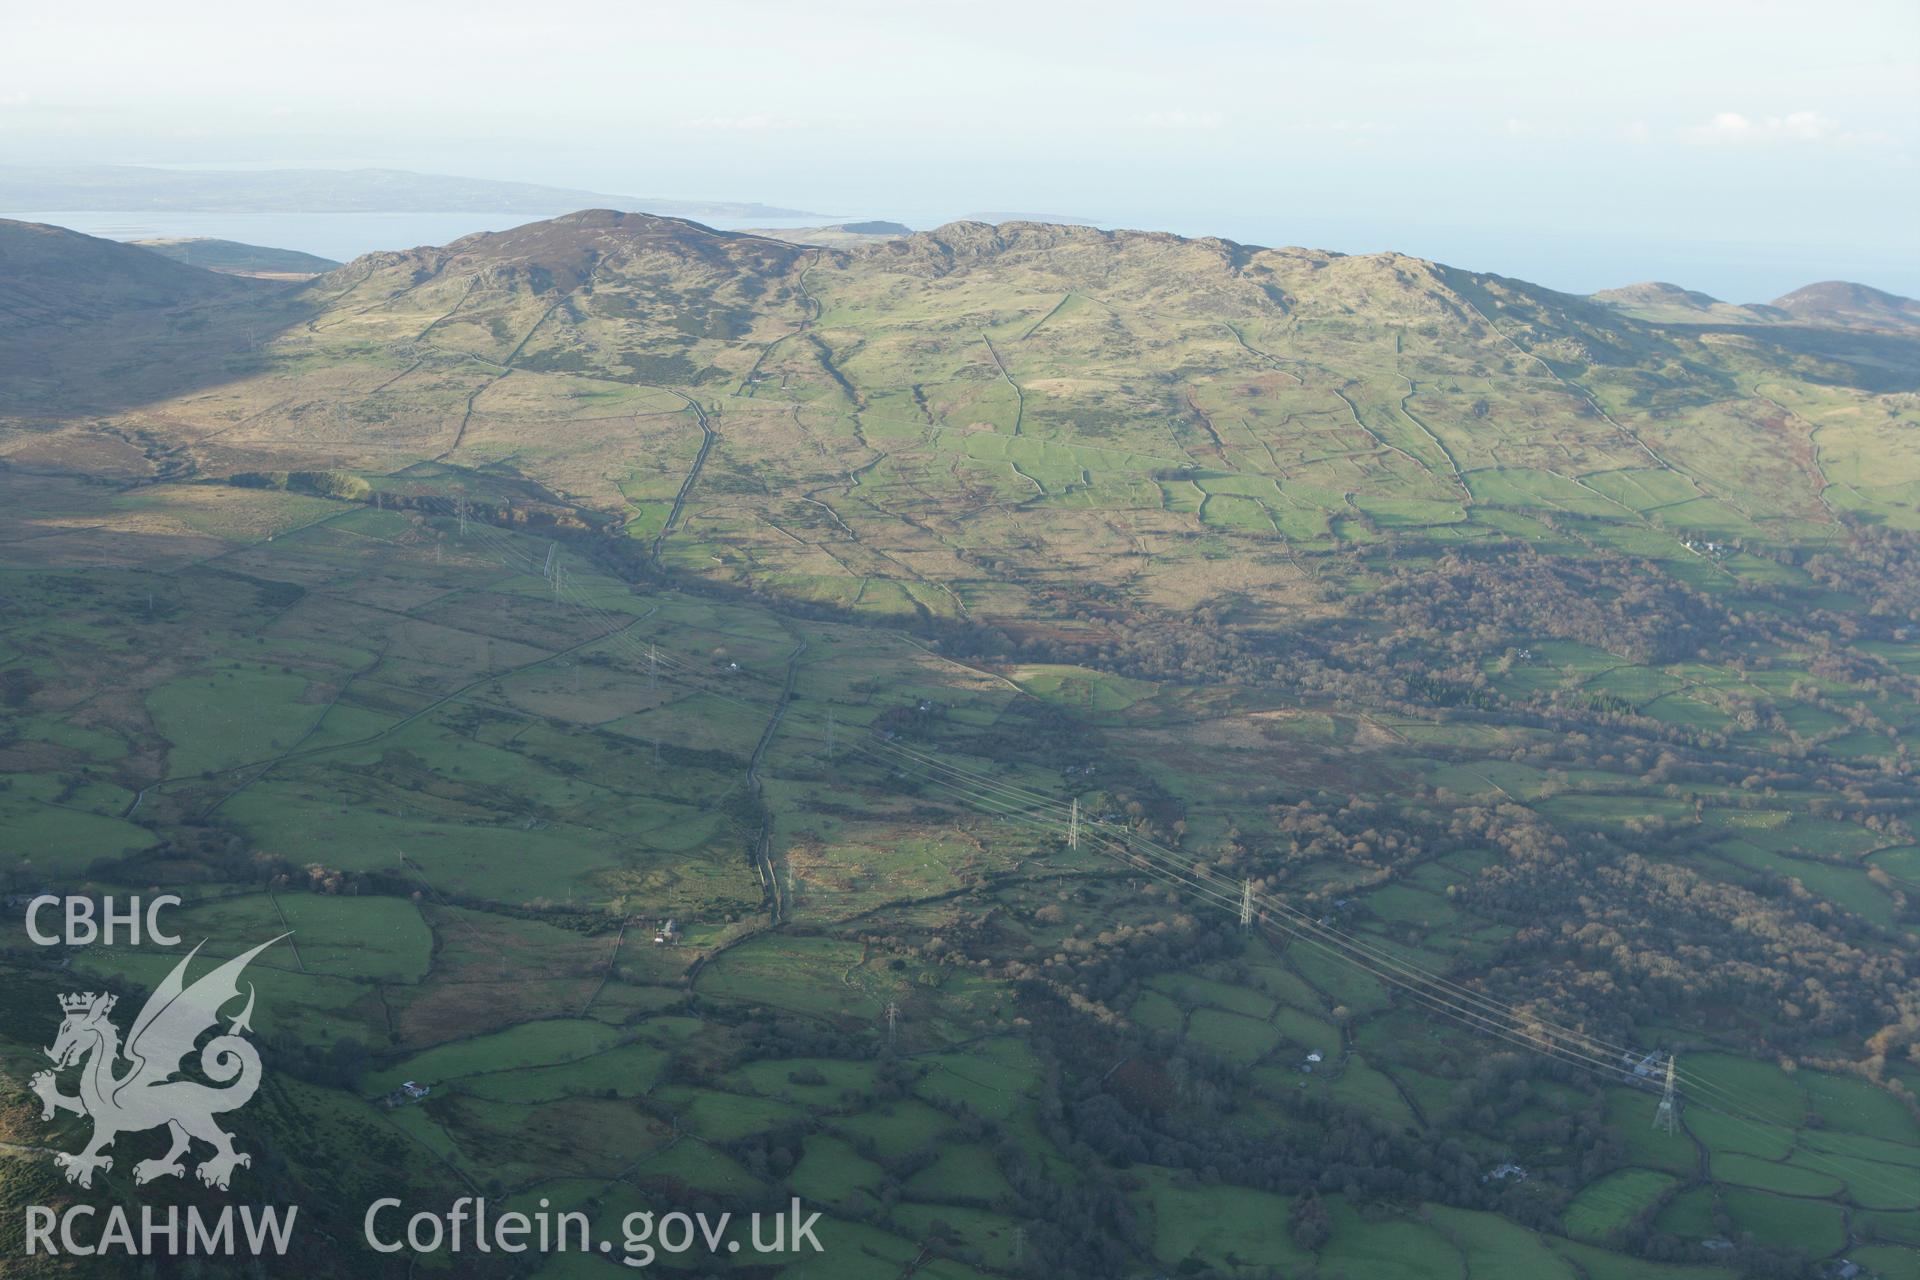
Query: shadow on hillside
[1872,360]
[1868,359]
[145,355]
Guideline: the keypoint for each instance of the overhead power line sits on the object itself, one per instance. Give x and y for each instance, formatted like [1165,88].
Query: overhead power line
[1434,993]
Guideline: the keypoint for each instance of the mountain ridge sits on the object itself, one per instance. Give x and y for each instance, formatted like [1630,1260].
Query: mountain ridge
[1840,303]
[233,257]
[1850,303]
[562,252]
[1834,303]
[53,276]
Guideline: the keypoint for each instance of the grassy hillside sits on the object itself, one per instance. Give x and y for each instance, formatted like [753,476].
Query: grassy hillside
[52,280]
[1542,676]
[234,258]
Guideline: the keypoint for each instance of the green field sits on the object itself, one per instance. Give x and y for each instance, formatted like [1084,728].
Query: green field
[951,638]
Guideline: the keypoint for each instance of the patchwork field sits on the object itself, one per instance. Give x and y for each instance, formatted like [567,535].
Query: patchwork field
[1159,757]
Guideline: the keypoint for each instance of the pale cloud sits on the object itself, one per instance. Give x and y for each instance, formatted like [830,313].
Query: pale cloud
[1183,119]
[751,123]
[1532,130]
[1733,128]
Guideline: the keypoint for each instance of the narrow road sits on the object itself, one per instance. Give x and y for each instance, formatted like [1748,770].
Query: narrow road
[832,370]
[276,761]
[338,693]
[1020,397]
[1427,431]
[613,958]
[1252,350]
[1065,298]
[1582,392]
[763,846]
[707,437]
[506,366]
[811,312]
[460,432]
[1375,436]
[1219,445]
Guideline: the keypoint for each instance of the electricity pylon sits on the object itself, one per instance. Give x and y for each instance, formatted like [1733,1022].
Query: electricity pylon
[1667,1117]
[1073,825]
[1246,903]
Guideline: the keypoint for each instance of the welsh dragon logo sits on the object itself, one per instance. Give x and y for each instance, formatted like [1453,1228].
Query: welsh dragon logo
[145,1094]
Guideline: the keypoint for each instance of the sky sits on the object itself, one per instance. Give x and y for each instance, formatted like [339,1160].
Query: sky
[1739,148]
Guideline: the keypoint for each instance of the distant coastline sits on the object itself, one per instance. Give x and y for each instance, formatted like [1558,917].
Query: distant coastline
[341,236]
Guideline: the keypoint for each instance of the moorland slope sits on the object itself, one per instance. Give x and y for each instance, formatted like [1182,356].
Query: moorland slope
[964,625]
